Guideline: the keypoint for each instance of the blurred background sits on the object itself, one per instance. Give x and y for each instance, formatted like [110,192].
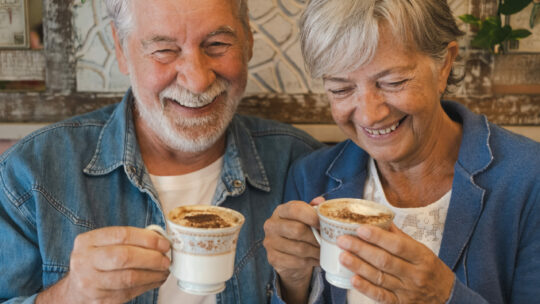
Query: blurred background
[57,60]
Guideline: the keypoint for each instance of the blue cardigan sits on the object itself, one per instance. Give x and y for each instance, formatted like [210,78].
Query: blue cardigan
[491,238]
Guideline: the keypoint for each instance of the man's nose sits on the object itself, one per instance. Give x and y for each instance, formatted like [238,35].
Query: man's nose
[371,107]
[195,72]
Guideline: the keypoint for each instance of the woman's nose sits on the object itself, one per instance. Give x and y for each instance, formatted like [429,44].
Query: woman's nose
[371,107]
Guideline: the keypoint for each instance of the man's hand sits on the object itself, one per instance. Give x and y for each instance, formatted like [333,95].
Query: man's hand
[292,248]
[112,265]
[392,267]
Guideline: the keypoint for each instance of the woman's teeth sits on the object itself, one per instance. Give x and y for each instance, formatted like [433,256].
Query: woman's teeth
[383,131]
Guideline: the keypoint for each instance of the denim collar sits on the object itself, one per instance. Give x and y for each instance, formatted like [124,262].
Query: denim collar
[117,147]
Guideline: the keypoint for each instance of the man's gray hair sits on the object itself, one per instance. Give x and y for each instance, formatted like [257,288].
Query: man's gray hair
[340,36]
[119,12]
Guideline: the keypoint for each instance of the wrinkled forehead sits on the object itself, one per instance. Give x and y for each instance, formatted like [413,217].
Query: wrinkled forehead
[169,11]
[184,20]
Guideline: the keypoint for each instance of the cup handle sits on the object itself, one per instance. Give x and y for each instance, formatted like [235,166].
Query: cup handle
[316,233]
[161,231]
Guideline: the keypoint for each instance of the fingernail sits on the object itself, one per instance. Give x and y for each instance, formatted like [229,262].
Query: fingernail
[164,245]
[166,263]
[343,242]
[345,259]
[364,232]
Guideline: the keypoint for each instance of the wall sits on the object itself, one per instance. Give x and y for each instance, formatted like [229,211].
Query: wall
[80,73]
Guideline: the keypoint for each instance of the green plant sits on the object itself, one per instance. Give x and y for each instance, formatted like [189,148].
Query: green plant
[491,32]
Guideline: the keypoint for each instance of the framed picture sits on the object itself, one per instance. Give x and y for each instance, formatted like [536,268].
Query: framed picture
[14,24]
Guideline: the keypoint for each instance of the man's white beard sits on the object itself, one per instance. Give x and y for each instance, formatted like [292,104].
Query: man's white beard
[184,133]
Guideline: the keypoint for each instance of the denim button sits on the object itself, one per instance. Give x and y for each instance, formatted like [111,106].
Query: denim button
[131,170]
[237,183]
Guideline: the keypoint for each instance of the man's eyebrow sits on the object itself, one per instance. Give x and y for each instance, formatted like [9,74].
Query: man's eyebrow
[226,30]
[158,38]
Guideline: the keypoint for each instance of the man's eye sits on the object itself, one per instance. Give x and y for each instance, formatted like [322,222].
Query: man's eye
[217,48]
[165,55]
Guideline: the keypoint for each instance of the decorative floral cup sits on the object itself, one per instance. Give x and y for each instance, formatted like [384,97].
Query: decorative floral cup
[202,258]
[342,216]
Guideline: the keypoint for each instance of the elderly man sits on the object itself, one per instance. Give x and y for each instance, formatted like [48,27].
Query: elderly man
[75,196]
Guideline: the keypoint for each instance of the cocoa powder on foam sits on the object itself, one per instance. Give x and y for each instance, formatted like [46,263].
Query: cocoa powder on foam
[202,219]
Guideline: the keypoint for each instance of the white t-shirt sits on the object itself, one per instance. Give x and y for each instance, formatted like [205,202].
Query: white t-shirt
[189,189]
[424,224]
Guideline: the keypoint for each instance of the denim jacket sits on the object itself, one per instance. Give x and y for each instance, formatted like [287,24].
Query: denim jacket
[491,237]
[87,172]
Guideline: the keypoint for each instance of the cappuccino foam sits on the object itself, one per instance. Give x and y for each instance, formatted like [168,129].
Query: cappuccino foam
[203,217]
[354,213]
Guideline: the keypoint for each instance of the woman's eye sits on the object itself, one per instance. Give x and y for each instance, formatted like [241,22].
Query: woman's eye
[340,92]
[392,84]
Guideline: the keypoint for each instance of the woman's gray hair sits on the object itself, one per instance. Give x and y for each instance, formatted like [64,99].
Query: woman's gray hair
[340,36]
[120,13]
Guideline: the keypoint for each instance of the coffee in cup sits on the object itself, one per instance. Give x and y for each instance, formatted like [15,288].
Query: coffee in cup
[203,240]
[342,216]
[354,211]
[209,217]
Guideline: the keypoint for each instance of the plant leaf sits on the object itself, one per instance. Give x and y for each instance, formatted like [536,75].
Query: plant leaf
[510,7]
[470,19]
[519,34]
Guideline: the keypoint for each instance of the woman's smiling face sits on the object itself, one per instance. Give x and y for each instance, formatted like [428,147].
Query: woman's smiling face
[390,107]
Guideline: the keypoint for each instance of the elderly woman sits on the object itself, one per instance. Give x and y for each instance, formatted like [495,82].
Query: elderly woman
[466,192]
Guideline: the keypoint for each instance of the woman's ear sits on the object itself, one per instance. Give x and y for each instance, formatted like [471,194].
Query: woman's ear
[120,55]
[446,68]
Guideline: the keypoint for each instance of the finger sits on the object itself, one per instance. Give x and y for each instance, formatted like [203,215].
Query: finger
[317,201]
[298,211]
[130,279]
[286,262]
[124,235]
[376,293]
[293,248]
[290,229]
[117,257]
[368,272]
[378,257]
[394,242]
[125,295]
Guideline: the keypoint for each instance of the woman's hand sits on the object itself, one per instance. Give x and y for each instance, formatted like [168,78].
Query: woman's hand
[291,247]
[392,267]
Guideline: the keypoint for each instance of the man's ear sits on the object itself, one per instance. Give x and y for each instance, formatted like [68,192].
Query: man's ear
[446,68]
[249,37]
[118,49]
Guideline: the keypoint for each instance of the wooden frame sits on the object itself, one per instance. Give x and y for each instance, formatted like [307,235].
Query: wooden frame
[508,102]
[10,9]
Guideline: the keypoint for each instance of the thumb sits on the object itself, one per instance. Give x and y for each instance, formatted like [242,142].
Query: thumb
[317,201]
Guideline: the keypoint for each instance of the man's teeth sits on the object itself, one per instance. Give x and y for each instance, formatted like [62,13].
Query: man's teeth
[194,103]
[382,131]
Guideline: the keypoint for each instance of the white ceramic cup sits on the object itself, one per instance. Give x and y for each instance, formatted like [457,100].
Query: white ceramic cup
[330,229]
[202,259]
